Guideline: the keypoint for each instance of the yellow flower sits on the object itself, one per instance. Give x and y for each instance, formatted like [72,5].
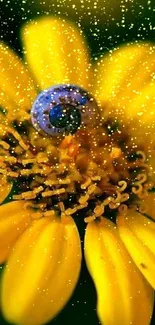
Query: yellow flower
[100,172]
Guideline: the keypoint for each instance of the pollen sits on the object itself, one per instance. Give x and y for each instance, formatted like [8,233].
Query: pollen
[115,153]
[89,174]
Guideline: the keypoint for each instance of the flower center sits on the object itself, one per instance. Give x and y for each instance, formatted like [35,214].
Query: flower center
[65,158]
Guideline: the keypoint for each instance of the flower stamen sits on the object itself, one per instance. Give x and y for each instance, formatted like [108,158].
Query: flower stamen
[106,180]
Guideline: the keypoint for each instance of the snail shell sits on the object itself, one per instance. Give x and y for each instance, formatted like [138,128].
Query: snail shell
[63,109]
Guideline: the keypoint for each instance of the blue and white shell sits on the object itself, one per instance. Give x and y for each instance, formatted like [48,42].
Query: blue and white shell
[63,109]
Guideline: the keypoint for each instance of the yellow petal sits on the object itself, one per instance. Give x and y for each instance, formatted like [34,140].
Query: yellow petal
[141,249]
[125,87]
[144,229]
[6,104]
[56,53]
[16,85]
[149,204]
[124,296]
[141,111]
[5,189]
[14,219]
[42,272]
[114,73]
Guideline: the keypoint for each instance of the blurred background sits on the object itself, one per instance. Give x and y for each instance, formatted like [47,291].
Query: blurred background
[107,24]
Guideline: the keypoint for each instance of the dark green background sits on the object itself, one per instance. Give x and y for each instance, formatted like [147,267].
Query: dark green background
[109,33]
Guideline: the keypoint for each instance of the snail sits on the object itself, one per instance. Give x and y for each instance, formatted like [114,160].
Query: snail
[63,109]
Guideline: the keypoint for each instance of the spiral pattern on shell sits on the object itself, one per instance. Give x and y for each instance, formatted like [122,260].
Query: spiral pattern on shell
[63,109]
